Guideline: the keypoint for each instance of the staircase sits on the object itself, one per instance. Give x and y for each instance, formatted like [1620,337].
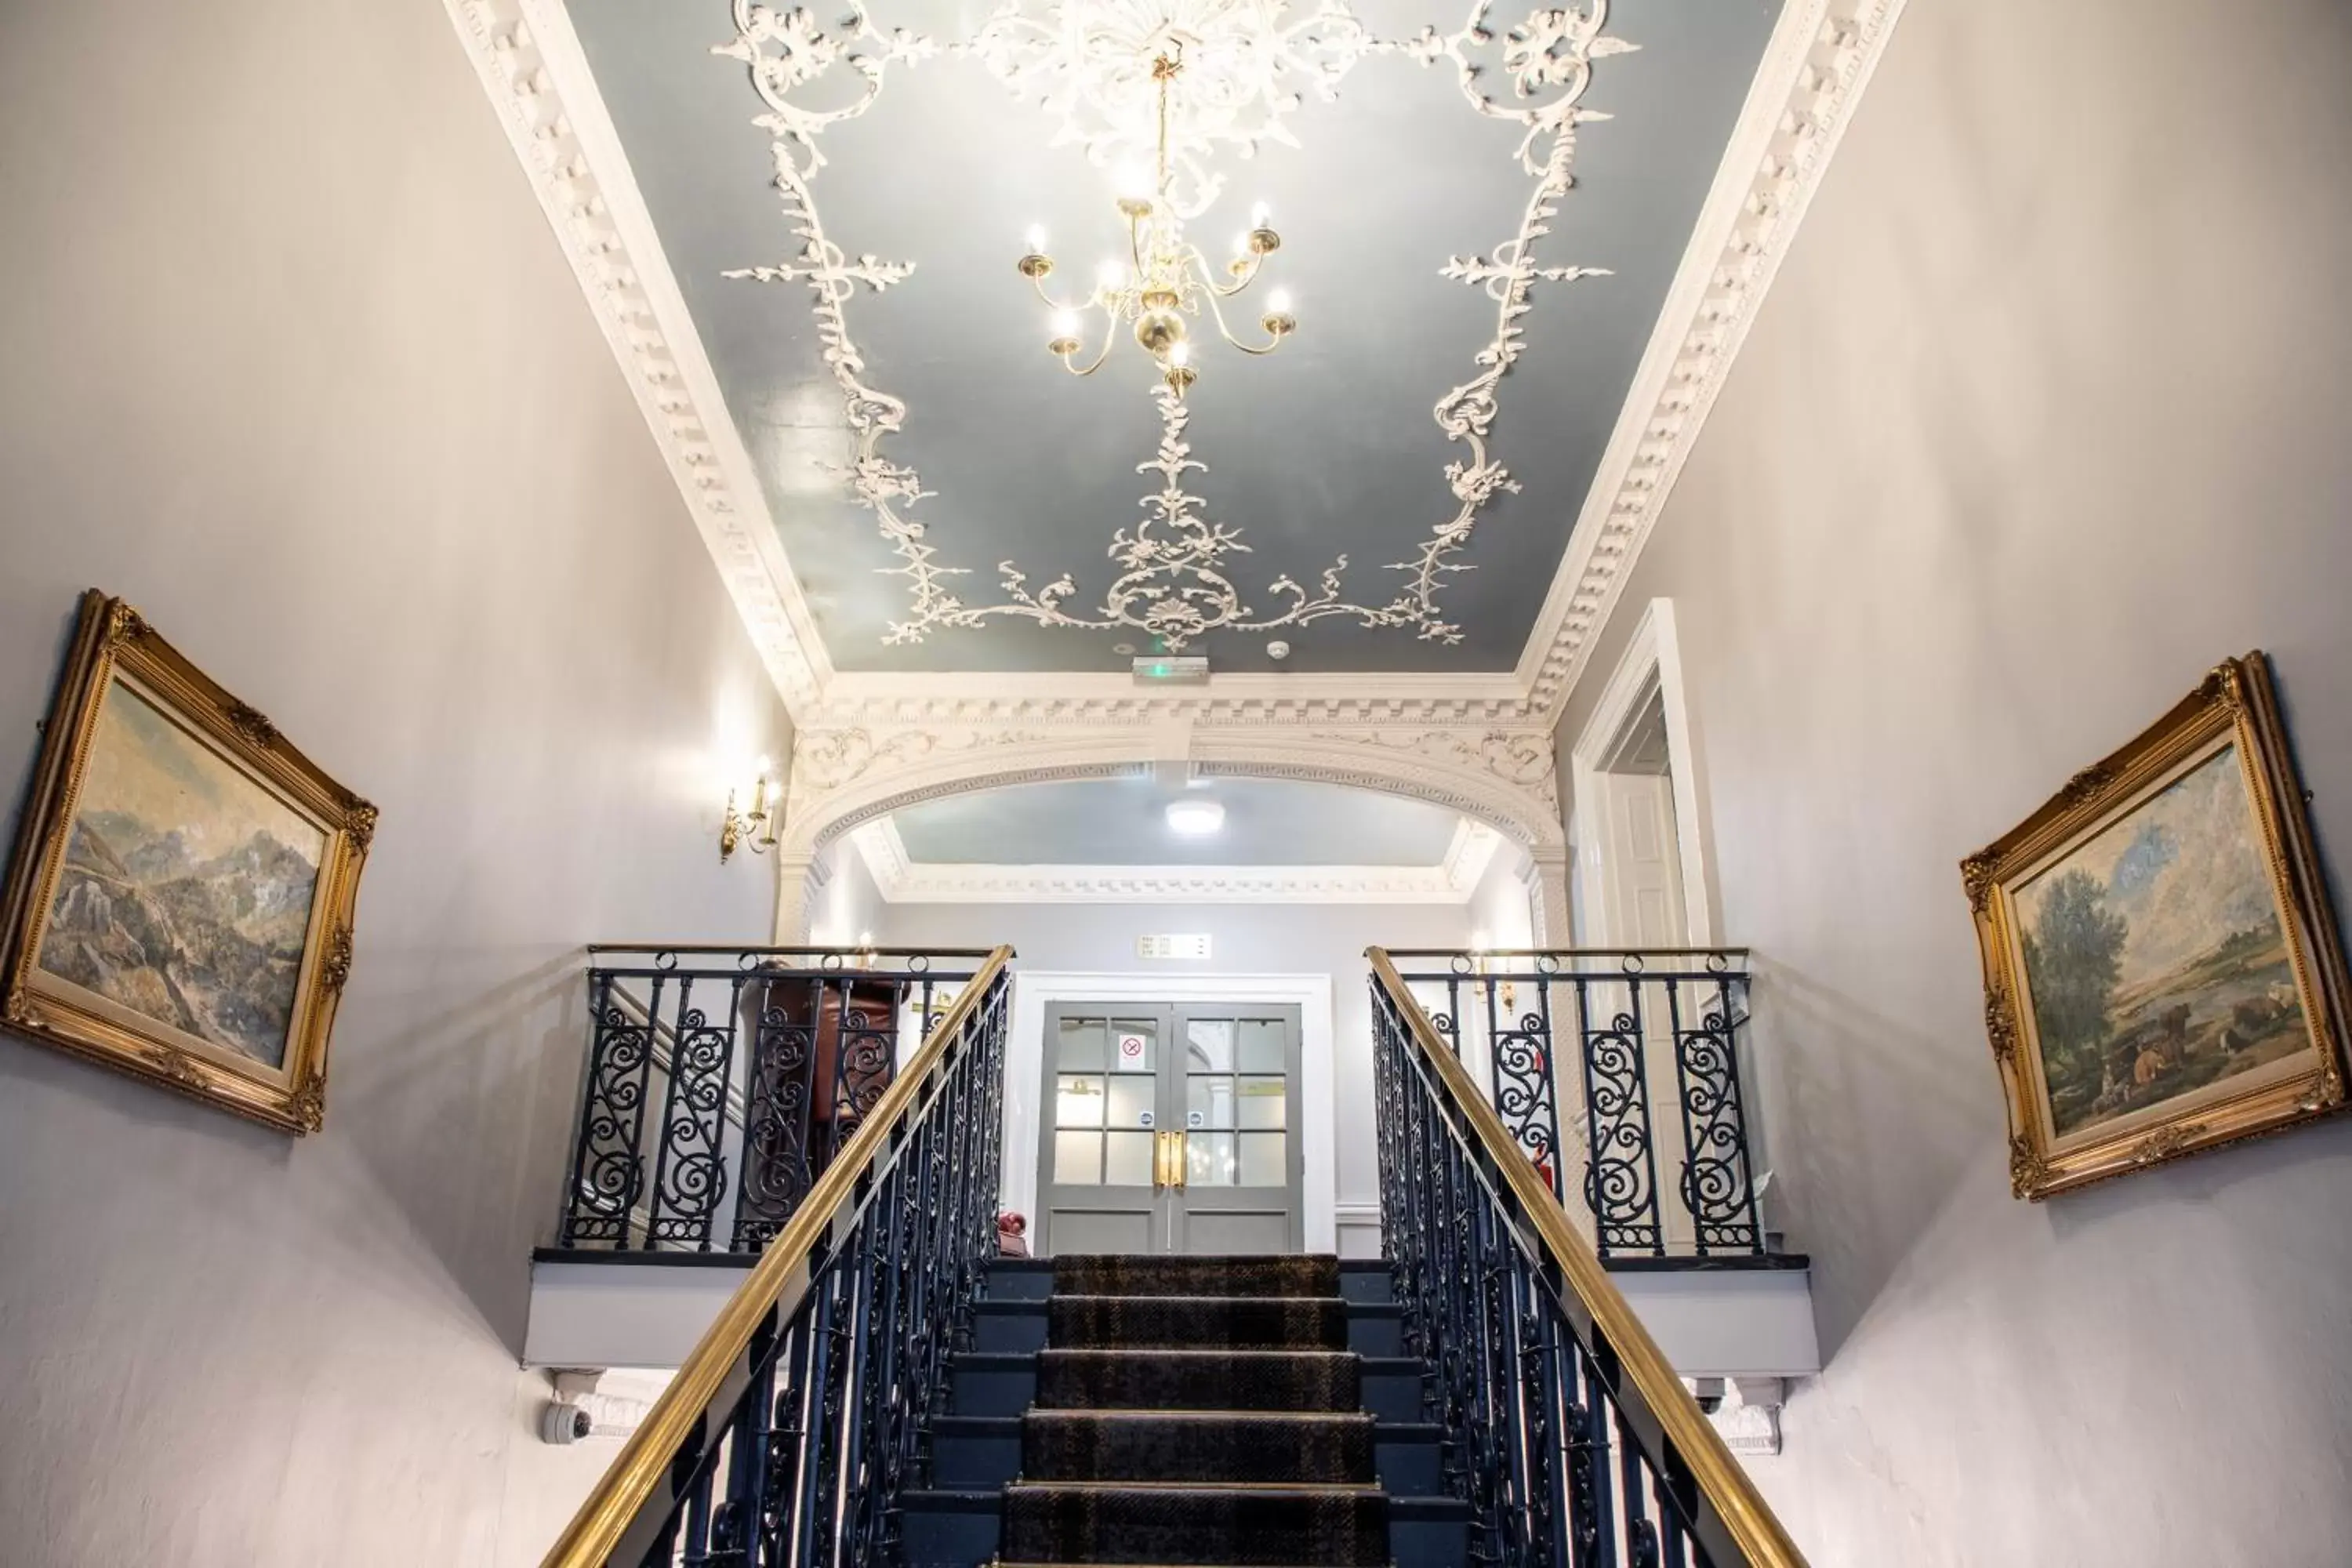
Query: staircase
[1186,1410]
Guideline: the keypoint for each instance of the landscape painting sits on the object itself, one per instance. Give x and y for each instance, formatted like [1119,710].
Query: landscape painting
[2163,970]
[187,887]
[180,903]
[2156,962]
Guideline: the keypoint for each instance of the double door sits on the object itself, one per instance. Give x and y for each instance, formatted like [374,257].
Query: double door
[1170,1128]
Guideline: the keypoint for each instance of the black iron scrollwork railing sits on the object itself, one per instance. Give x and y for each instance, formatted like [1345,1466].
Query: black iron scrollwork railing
[785,1438]
[1618,1071]
[721,1082]
[1568,1433]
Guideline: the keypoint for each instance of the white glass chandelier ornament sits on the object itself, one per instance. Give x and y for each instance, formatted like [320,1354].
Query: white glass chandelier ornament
[1166,280]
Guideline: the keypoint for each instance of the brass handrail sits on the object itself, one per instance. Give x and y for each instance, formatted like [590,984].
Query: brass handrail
[780,1280]
[1674,1417]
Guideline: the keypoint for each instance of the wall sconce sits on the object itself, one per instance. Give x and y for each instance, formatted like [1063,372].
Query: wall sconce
[1483,965]
[754,829]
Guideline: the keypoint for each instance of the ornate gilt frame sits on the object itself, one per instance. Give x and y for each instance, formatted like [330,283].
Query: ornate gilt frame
[2235,701]
[112,639]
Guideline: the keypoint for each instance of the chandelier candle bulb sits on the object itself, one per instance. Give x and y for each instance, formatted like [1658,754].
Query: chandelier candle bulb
[1169,281]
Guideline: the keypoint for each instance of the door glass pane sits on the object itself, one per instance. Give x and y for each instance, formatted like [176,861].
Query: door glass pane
[1081,1045]
[1079,1102]
[1135,1045]
[1209,1158]
[1077,1158]
[1209,1045]
[1261,1159]
[1131,1101]
[1261,1045]
[1262,1103]
[1208,1101]
[1128,1161]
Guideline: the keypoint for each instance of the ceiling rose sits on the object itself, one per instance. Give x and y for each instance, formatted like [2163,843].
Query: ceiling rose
[1089,64]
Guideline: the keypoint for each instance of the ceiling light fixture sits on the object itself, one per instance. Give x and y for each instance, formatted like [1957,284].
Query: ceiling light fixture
[1195,818]
[1169,280]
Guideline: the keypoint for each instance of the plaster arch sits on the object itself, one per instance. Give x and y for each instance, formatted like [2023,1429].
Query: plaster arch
[842,778]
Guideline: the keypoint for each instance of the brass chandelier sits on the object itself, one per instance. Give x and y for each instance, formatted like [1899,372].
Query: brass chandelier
[1166,278]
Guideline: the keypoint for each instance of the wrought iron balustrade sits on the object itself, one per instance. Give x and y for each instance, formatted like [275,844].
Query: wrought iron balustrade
[721,1082]
[786,1437]
[1618,1071]
[1567,1431]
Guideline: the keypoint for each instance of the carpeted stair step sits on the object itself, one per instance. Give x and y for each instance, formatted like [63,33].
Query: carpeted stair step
[1063,1522]
[1238,1322]
[1198,1380]
[1153,1274]
[1329,1448]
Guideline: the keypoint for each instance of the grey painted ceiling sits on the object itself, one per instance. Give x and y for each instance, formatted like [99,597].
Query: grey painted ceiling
[1119,822]
[1327,448]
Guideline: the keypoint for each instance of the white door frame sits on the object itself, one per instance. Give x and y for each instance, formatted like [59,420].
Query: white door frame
[1024,1071]
[1653,649]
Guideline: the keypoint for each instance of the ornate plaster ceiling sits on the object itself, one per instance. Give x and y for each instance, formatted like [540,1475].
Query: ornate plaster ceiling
[1480,261]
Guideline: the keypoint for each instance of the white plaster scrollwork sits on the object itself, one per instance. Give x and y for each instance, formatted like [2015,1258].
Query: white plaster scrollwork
[1173,582]
[1093,65]
[1088,63]
[533,73]
[1522,759]
[827,761]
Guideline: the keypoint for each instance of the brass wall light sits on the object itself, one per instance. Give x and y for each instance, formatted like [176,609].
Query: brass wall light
[754,829]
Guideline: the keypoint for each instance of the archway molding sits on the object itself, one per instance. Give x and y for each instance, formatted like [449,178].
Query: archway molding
[844,777]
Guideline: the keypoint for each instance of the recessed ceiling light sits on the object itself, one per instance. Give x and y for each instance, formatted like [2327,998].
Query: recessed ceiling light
[1195,818]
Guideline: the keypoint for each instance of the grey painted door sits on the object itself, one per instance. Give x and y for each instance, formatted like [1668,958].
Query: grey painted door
[1170,1129]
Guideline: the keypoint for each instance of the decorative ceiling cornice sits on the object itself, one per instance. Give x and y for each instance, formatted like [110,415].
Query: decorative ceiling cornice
[1820,57]
[530,63]
[1819,61]
[901,879]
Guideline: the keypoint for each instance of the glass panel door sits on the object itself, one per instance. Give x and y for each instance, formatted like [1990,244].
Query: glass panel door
[1170,1129]
[1102,1148]
[1241,1169]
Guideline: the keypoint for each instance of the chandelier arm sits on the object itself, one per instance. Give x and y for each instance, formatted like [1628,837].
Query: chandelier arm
[1217,314]
[1051,303]
[1242,279]
[1110,337]
[1135,247]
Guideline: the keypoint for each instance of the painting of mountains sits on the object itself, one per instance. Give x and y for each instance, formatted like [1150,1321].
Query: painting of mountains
[2156,959]
[186,890]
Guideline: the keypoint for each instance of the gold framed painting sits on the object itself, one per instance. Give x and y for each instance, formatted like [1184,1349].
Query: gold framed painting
[2163,972]
[179,905]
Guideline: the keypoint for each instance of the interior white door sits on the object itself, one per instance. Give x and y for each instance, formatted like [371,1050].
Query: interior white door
[1642,865]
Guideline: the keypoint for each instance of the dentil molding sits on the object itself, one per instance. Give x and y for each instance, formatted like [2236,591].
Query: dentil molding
[901,879]
[531,65]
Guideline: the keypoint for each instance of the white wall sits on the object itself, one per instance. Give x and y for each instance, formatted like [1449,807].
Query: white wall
[293,364]
[1500,914]
[2045,414]
[1244,939]
[848,905]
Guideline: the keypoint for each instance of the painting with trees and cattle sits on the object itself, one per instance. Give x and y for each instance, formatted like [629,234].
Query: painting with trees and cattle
[2162,967]
[2154,960]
